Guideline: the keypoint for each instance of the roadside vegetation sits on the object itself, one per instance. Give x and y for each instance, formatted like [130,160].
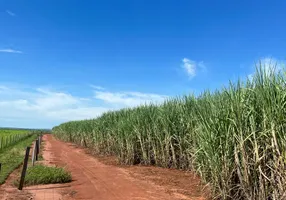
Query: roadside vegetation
[9,137]
[234,138]
[11,157]
[40,174]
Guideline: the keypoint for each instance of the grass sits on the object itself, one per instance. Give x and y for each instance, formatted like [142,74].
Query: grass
[40,174]
[12,157]
[10,136]
[234,138]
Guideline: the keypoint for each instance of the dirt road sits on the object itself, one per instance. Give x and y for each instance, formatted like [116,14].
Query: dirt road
[92,179]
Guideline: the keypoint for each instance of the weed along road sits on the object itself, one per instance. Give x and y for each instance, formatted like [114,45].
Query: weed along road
[93,179]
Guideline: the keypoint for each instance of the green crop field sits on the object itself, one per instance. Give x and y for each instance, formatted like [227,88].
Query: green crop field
[11,136]
[234,138]
[12,149]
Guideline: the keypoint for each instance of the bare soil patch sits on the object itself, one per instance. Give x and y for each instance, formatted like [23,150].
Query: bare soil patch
[102,178]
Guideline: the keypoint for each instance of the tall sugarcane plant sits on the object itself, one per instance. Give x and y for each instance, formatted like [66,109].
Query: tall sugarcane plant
[234,138]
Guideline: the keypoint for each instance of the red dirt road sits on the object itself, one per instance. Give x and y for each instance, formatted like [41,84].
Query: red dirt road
[93,179]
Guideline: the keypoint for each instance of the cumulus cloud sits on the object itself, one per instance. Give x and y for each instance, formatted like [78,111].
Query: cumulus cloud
[191,67]
[45,108]
[29,107]
[129,99]
[270,65]
[97,87]
[9,51]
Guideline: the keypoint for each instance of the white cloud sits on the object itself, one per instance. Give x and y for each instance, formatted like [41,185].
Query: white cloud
[44,108]
[191,67]
[10,13]
[78,113]
[129,99]
[269,64]
[97,87]
[10,51]
[53,100]
[3,88]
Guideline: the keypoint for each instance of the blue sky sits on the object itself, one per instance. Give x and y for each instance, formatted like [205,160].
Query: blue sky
[70,59]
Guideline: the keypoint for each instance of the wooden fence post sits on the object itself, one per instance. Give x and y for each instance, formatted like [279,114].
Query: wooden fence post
[33,154]
[37,149]
[40,141]
[25,165]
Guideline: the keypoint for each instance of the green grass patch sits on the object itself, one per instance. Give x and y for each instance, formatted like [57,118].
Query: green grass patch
[40,174]
[13,156]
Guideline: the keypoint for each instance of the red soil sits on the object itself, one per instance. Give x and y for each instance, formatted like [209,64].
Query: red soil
[95,179]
